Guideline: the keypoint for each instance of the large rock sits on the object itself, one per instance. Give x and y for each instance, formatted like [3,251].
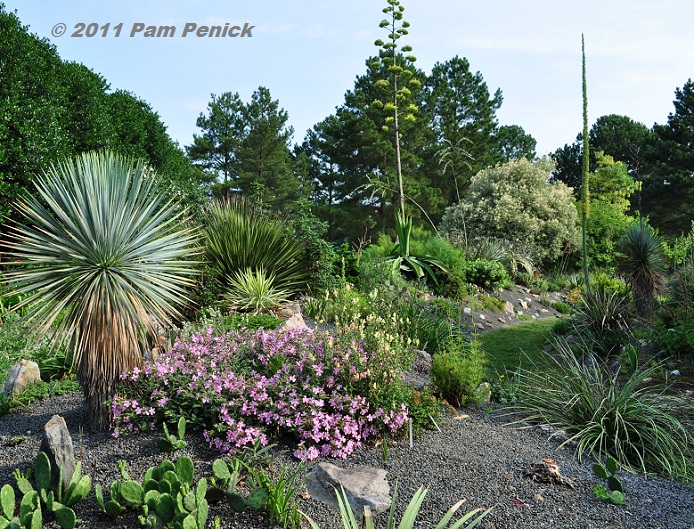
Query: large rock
[289,309]
[293,323]
[21,374]
[365,486]
[57,444]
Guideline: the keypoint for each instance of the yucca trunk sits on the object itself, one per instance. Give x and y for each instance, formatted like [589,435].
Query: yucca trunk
[108,349]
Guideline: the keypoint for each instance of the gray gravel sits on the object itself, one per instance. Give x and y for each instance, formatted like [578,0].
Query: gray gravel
[478,458]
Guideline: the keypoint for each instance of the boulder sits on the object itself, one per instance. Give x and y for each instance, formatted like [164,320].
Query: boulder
[508,308]
[21,374]
[57,444]
[289,310]
[295,322]
[365,487]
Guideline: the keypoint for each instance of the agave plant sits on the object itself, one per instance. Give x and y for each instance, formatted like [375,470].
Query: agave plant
[401,258]
[641,261]
[239,237]
[104,258]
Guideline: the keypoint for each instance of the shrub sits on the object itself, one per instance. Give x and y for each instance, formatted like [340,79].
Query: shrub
[626,416]
[485,274]
[320,386]
[239,237]
[458,372]
[514,202]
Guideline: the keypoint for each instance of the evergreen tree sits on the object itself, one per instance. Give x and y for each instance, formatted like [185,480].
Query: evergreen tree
[463,118]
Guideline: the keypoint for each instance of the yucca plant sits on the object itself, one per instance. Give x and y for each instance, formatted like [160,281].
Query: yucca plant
[254,290]
[239,237]
[401,258]
[627,416]
[409,517]
[104,258]
[641,261]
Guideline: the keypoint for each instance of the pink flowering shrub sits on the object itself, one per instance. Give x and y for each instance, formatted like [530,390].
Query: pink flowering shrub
[324,388]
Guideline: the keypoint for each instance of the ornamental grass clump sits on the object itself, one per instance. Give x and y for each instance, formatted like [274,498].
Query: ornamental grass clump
[627,416]
[323,388]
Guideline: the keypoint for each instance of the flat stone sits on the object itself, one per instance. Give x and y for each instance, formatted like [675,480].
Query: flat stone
[467,311]
[501,320]
[22,373]
[508,308]
[57,444]
[480,326]
[365,487]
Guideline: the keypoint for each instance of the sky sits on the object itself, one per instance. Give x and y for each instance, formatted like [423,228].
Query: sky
[308,53]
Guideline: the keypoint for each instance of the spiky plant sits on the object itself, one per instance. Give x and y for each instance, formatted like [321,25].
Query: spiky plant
[635,419]
[105,259]
[402,260]
[254,290]
[239,237]
[641,261]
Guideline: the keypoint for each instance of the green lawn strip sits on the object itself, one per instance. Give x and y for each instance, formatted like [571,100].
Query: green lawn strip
[518,344]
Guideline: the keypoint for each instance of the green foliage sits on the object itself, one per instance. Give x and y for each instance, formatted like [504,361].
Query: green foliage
[7,507]
[615,490]
[514,202]
[171,442]
[254,290]
[409,516]
[611,189]
[239,237]
[166,497]
[458,372]
[106,248]
[279,496]
[641,262]
[600,320]
[244,147]
[674,322]
[58,501]
[504,388]
[485,274]
[562,308]
[403,260]
[463,120]
[681,249]
[629,417]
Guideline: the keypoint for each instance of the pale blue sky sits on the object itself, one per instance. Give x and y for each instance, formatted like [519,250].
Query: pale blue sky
[309,52]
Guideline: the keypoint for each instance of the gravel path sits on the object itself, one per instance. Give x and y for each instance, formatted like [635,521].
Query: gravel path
[478,458]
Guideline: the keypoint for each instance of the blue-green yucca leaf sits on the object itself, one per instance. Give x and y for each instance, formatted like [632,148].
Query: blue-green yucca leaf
[106,259]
